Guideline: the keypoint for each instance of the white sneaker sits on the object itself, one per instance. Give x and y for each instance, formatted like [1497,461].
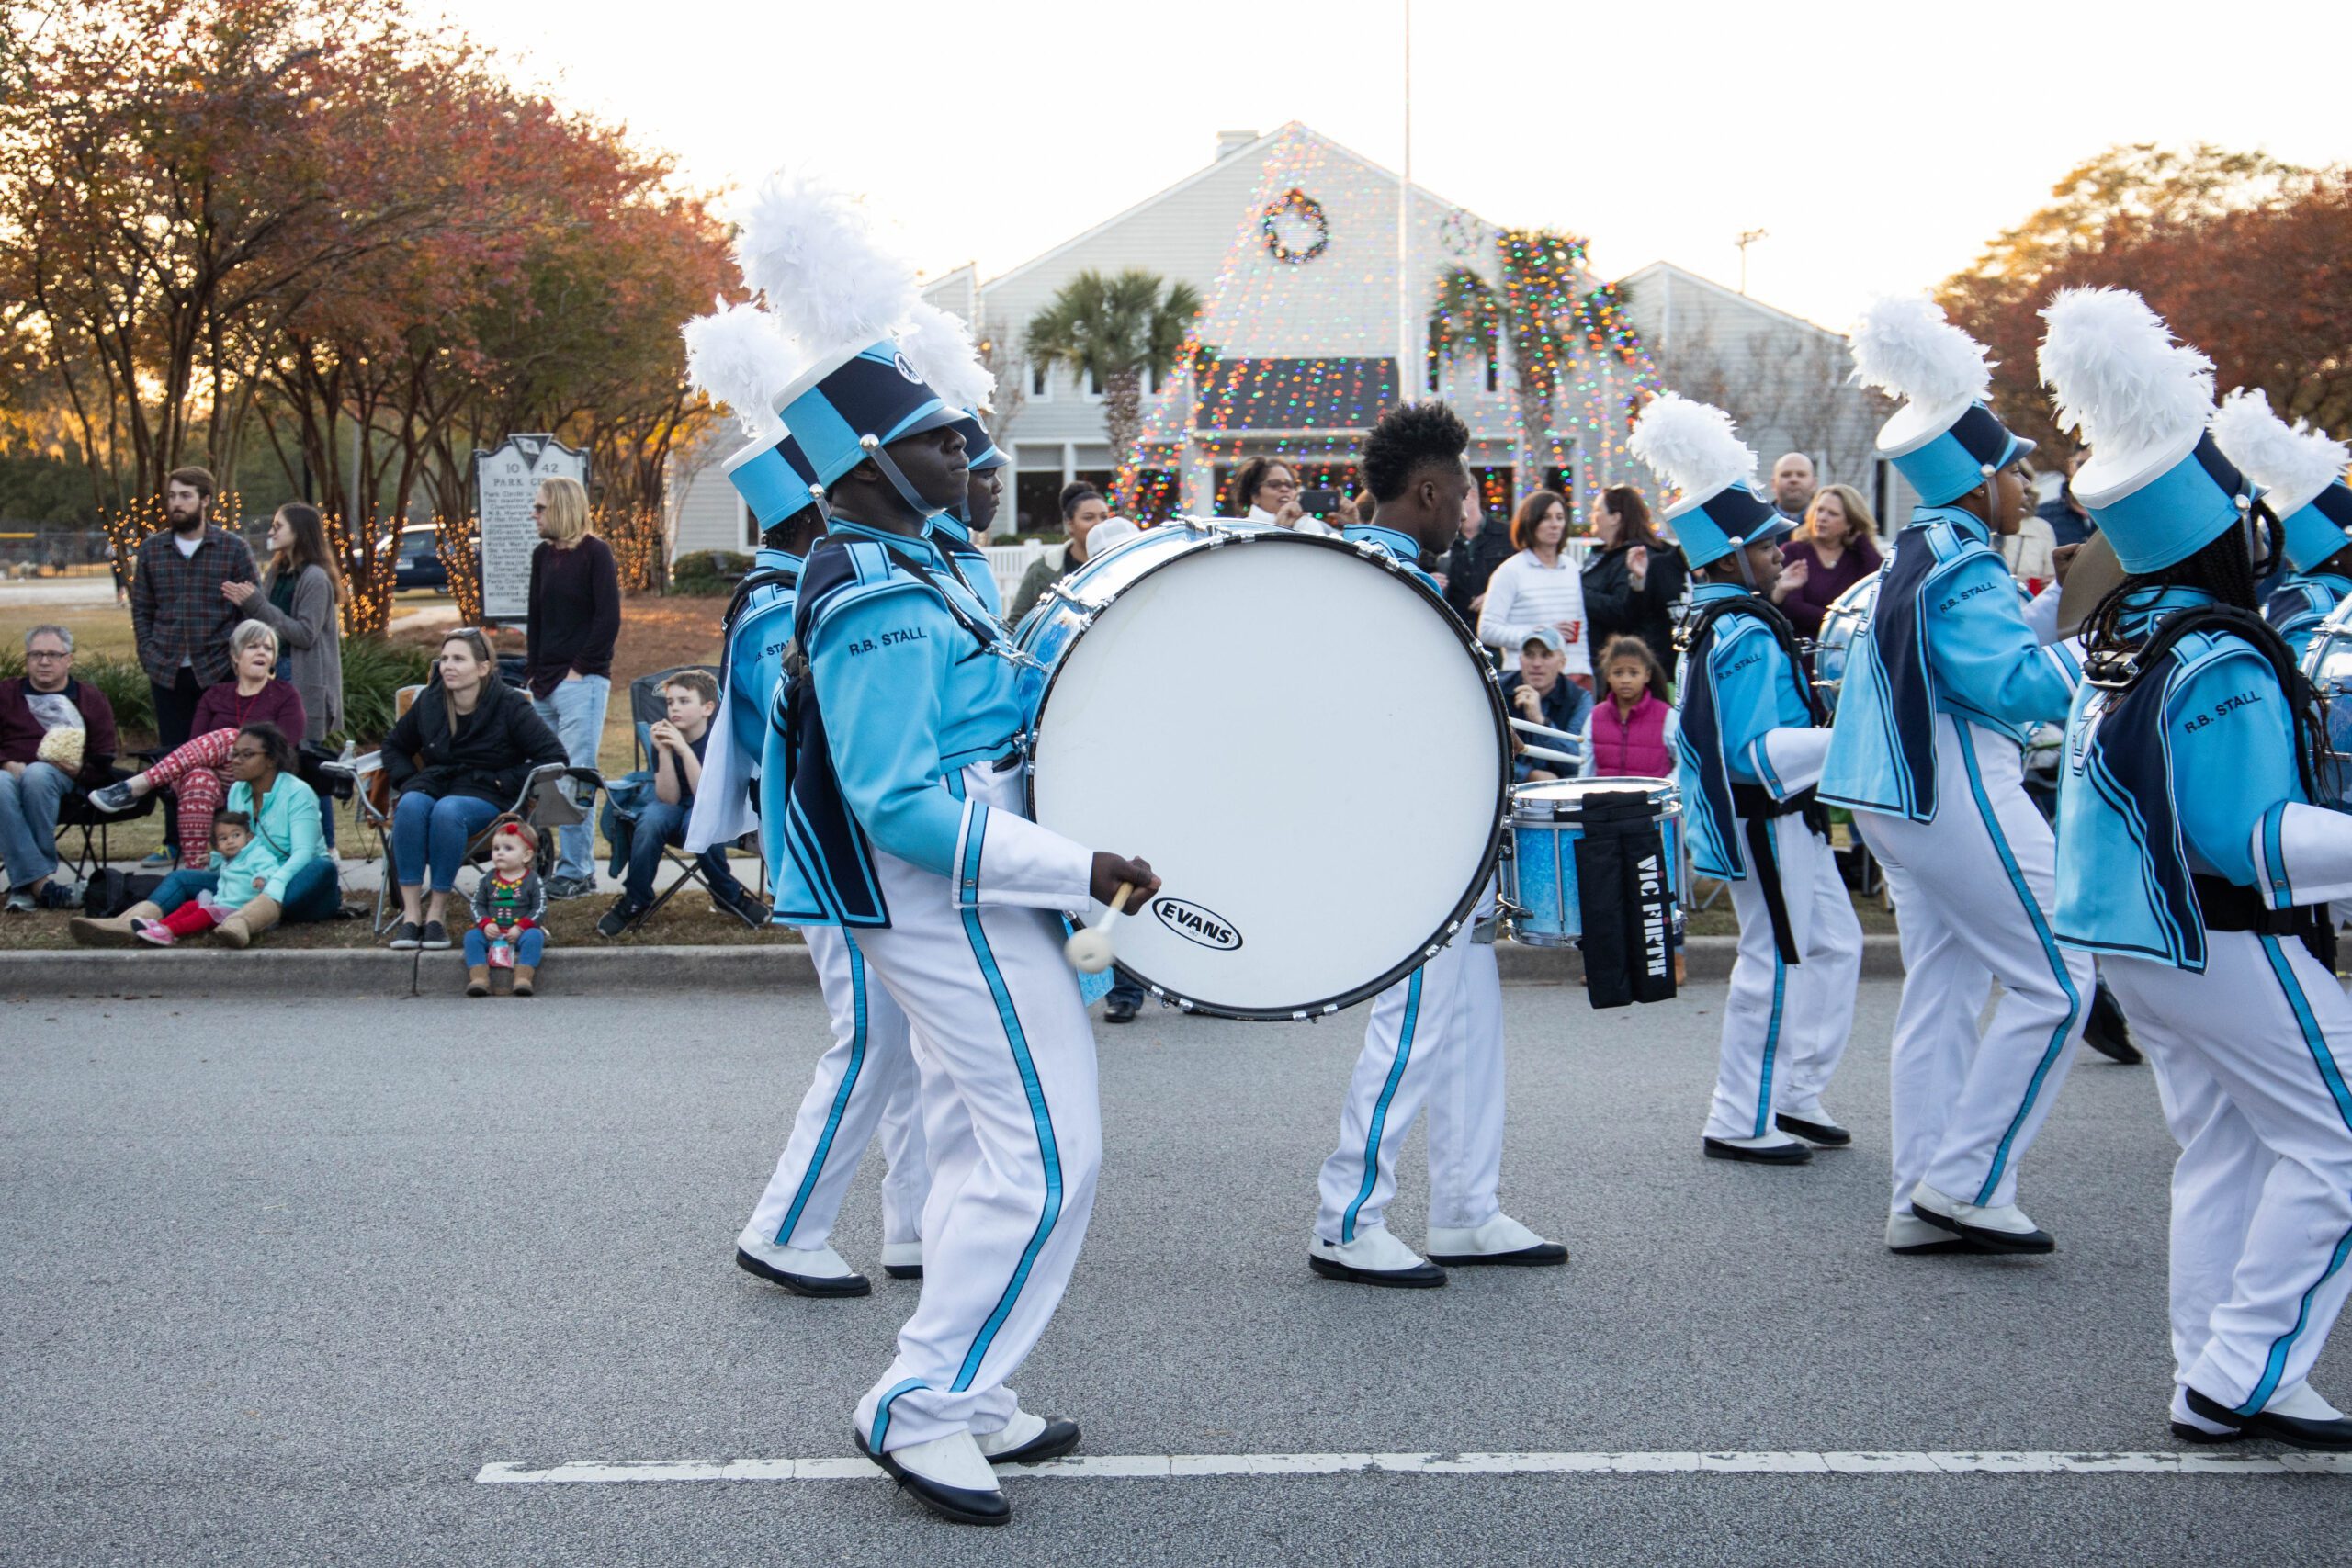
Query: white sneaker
[1500,1240]
[1375,1258]
[807,1272]
[2003,1228]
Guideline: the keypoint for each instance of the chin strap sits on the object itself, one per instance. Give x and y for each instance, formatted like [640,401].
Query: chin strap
[872,446]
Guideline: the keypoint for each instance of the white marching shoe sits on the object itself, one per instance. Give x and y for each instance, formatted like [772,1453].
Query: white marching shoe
[1911,1236]
[1375,1258]
[821,1272]
[902,1259]
[1028,1439]
[948,1475]
[2005,1228]
[1500,1240]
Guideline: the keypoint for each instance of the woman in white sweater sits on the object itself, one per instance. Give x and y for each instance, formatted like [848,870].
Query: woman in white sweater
[1539,586]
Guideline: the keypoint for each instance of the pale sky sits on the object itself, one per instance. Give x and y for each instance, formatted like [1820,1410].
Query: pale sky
[1879,144]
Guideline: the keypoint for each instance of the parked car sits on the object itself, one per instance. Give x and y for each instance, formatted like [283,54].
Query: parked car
[416,562]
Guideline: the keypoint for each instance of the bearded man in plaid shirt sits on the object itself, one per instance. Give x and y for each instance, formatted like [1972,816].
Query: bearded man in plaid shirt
[178,612]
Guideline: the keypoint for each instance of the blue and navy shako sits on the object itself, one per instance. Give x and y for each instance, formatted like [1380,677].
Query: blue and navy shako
[1945,452]
[828,874]
[2317,528]
[980,450]
[854,394]
[2160,506]
[775,479]
[1711,526]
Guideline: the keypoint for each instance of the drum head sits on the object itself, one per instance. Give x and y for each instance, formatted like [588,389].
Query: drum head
[1306,747]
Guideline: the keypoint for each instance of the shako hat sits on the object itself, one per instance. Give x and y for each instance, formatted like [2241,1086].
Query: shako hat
[1945,439]
[1695,447]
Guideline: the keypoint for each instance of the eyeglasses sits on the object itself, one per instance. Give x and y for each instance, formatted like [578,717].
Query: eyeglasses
[47,653]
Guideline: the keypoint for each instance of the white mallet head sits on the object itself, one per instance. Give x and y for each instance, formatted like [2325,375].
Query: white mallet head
[1088,949]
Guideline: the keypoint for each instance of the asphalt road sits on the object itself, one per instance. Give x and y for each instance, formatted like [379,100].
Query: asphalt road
[279,1278]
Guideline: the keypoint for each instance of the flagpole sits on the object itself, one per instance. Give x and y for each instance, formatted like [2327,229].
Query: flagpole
[1408,384]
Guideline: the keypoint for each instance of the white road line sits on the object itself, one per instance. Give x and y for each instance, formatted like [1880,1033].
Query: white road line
[1124,1467]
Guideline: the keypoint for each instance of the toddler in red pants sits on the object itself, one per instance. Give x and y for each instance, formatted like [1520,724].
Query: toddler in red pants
[231,834]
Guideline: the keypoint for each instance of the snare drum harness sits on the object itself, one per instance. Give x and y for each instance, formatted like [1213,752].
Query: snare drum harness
[1721,798]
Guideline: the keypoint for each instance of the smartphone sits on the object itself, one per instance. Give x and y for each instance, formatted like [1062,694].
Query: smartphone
[1316,502]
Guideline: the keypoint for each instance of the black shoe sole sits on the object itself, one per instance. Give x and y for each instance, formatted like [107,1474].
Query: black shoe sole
[1056,1440]
[1118,1017]
[2120,1050]
[903,1270]
[1429,1277]
[1549,1255]
[2321,1436]
[1777,1154]
[1828,1135]
[1950,1246]
[805,1284]
[2034,1244]
[2204,1439]
[945,1501]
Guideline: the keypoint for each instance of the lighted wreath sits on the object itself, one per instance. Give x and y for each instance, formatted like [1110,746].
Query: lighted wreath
[1294,211]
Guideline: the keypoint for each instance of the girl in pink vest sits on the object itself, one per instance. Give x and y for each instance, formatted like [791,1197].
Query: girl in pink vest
[1629,731]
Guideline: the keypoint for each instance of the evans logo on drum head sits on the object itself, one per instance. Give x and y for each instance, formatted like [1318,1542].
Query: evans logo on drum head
[1195,924]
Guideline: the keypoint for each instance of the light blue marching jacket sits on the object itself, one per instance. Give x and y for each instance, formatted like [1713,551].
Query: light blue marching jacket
[2300,602]
[970,561]
[2189,774]
[909,684]
[1400,547]
[759,627]
[1744,719]
[1947,634]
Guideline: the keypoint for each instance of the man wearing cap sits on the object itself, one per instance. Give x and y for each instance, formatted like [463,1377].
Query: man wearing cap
[1434,1038]
[1538,692]
[1747,752]
[2193,861]
[1939,696]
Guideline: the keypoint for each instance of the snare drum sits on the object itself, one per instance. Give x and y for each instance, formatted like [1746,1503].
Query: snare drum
[1540,874]
[1174,721]
[2327,662]
[1848,618]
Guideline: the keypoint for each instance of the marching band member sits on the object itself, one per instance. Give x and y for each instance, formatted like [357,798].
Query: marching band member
[962,532]
[2195,863]
[1434,1038]
[1942,687]
[904,821]
[1748,751]
[2301,476]
[740,358]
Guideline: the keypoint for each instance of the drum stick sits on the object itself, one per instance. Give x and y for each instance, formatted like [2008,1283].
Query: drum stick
[1088,947]
[1529,726]
[1550,756]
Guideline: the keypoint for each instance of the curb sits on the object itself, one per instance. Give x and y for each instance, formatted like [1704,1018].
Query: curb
[626,971]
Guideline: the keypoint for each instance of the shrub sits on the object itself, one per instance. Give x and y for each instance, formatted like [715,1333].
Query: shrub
[117,674]
[707,573]
[373,669]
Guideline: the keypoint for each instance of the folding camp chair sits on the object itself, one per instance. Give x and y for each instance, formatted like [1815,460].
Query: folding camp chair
[77,815]
[648,708]
[542,802]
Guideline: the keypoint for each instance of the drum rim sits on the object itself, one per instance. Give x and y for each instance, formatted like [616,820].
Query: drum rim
[1210,539]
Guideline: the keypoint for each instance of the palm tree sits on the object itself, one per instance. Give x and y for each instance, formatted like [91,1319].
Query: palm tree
[1111,331]
[1541,309]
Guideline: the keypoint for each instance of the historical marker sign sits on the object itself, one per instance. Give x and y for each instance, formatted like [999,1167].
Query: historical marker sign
[505,480]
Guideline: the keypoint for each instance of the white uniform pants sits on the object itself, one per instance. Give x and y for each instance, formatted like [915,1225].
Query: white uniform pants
[2253,1058]
[1785,1026]
[1972,894]
[1014,1134]
[865,1083]
[1435,1038]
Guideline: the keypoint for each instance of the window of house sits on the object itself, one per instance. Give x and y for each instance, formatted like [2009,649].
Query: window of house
[1094,387]
[748,529]
[1041,381]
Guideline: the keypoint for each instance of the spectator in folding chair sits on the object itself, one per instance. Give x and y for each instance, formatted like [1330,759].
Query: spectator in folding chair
[461,755]
[647,825]
[56,737]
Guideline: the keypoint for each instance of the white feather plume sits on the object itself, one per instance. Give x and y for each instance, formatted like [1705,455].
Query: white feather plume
[737,357]
[939,346]
[1904,346]
[2119,376]
[2295,461]
[812,251]
[1692,445]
